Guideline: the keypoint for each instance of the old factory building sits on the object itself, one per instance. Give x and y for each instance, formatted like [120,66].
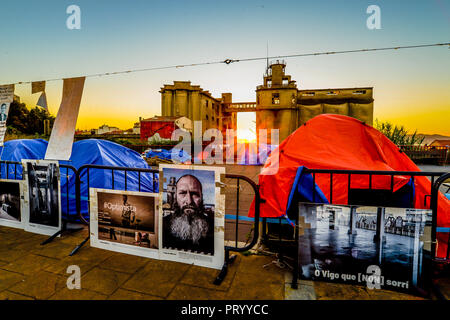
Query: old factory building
[279,103]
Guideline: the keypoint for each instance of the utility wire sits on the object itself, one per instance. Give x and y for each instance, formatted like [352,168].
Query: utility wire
[228,61]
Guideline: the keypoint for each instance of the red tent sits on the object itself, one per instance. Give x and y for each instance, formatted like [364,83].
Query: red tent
[340,142]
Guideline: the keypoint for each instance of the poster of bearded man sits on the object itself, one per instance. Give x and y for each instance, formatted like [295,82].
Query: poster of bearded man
[192,214]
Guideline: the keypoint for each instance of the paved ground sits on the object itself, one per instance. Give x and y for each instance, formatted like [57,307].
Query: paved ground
[31,271]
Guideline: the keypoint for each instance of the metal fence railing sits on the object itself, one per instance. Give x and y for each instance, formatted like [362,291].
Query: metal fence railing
[283,234]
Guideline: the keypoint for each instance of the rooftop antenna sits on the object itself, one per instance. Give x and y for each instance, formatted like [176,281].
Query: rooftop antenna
[267,60]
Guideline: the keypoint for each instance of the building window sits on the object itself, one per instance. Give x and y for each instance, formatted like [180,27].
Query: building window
[331,93]
[359,92]
[207,117]
[285,82]
[275,98]
[269,83]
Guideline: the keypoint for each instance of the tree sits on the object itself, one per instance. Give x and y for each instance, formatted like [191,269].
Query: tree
[398,134]
[17,116]
[20,119]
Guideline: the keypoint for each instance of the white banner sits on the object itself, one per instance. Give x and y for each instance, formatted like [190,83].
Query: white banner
[61,138]
[7,93]
[6,97]
[37,86]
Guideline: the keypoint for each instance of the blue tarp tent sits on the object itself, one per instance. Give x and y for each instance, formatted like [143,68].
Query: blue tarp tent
[92,151]
[106,153]
[16,150]
[167,155]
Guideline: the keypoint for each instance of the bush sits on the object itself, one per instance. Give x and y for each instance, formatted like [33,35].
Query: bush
[398,134]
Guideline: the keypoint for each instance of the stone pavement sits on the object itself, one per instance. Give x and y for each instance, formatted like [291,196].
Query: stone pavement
[31,271]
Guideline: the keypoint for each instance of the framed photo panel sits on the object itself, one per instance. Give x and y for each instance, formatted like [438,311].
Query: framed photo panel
[192,214]
[125,221]
[13,208]
[378,247]
[43,193]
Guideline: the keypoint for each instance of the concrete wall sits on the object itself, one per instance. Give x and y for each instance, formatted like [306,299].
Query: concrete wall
[185,100]
[280,105]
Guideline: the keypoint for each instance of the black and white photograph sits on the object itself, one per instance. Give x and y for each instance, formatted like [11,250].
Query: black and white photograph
[125,221]
[43,195]
[190,204]
[339,242]
[10,204]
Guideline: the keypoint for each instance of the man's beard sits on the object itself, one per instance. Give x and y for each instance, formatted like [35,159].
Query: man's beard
[189,226]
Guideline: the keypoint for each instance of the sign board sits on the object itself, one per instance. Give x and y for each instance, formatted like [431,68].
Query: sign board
[192,215]
[125,221]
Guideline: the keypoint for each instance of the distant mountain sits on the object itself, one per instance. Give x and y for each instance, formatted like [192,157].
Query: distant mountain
[429,138]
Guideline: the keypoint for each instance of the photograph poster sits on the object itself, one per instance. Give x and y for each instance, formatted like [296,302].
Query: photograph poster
[192,214]
[377,247]
[125,221]
[6,97]
[12,209]
[43,192]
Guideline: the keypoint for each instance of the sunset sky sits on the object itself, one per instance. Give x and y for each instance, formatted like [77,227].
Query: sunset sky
[411,87]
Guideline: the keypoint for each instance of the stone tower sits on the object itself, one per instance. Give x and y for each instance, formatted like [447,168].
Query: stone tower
[276,101]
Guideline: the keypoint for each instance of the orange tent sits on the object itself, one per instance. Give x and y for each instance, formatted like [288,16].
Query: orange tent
[340,142]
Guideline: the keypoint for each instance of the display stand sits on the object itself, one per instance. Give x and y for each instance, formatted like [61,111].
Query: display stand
[60,232]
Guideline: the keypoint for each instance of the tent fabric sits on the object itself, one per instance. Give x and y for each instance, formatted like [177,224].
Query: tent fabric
[167,155]
[106,153]
[304,189]
[16,150]
[341,142]
[91,151]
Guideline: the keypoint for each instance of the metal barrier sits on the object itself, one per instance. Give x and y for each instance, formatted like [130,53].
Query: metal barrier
[82,175]
[86,169]
[18,175]
[229,259]
[351,173]
[7,164]
[434,206]
[67,219]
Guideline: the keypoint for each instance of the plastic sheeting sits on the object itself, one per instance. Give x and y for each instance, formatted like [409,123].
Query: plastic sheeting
[167,155]
[16,150]
[106,153]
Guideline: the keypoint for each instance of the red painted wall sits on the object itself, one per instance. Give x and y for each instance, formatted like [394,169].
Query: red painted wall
[164,128]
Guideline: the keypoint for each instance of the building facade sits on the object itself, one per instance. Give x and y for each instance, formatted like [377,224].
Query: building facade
[279,104]
[185,100]
[162,125]
[105,129]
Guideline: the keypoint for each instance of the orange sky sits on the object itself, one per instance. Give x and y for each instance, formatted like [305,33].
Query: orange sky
[411,87]
[108,101]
